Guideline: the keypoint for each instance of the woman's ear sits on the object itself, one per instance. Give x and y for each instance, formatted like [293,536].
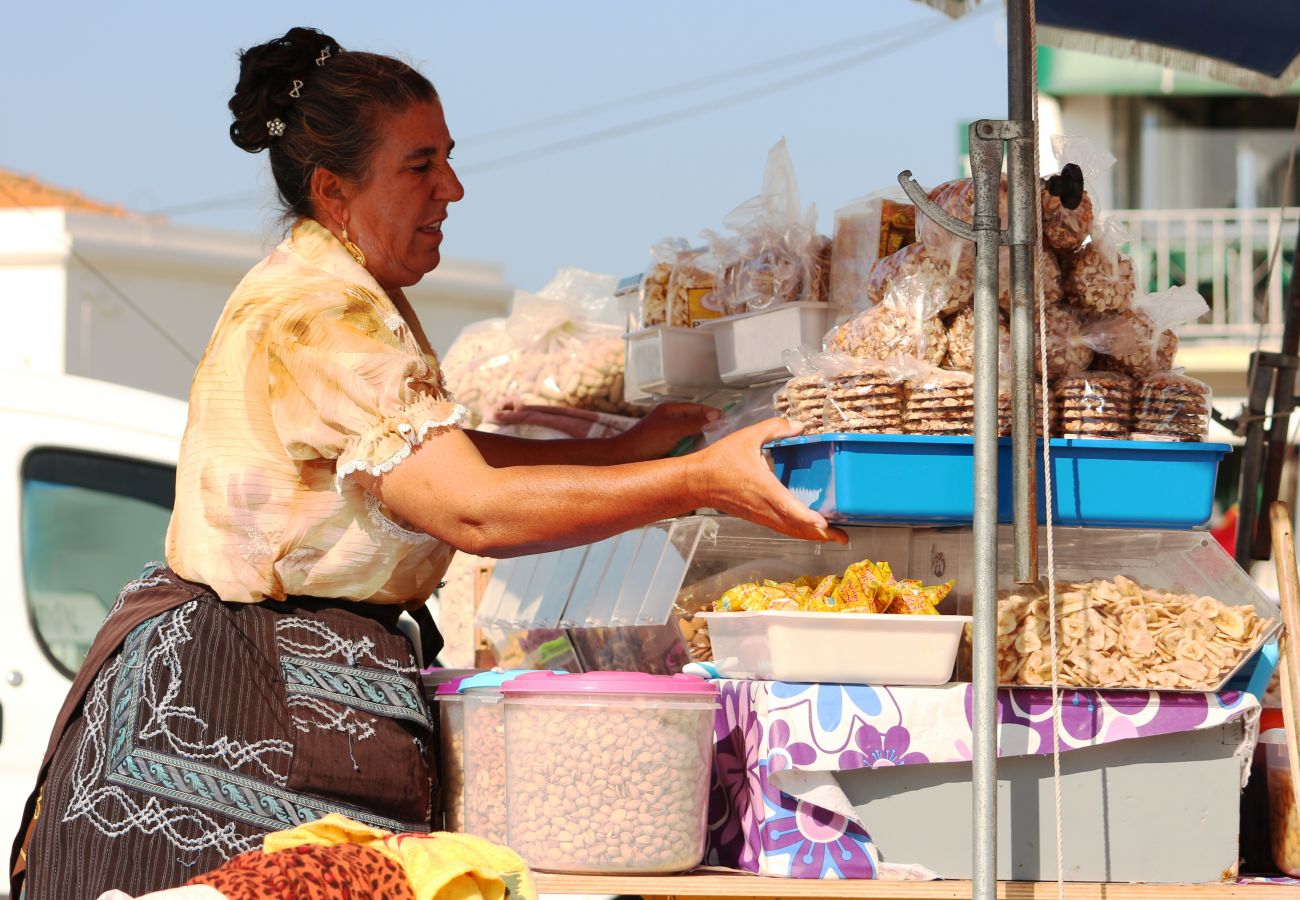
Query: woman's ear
[329,197]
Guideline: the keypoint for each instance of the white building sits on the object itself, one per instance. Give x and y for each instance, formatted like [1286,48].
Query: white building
[93,290]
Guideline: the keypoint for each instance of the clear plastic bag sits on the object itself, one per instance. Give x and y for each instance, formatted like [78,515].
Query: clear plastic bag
[948,289]
[692,289]
[1066,229]
[1141,341]
[834,392]
[905,323]
[1094,405]
[866,230]
[957,198]
[1069,349]
[654,281]
[939,402]
[1171,406]
[1100,277]
[775,247]
[961,341]
[559,347]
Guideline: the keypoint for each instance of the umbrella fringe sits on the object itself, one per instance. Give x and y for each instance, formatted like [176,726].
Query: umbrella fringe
[1182,60]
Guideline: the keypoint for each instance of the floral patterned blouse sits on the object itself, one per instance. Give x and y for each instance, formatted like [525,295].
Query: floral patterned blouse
[311,376]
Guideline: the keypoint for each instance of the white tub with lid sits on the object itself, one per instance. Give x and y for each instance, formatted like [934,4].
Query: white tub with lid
[609,771]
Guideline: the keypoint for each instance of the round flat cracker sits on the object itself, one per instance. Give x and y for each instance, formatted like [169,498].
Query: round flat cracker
[1174,382]
[1081,415]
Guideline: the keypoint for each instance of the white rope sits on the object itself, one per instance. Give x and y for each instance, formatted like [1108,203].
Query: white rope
[1045,415]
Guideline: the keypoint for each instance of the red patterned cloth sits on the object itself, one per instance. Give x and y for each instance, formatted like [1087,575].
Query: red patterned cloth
[310,872]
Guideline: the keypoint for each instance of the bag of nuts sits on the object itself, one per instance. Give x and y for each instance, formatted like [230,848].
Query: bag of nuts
[1100,277]
[1067,207]
[905,323]
[775,255]
[554,349]
[654,281]
[1141,340]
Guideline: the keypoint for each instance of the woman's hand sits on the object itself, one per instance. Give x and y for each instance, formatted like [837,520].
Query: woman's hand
[663,428]
[733,476]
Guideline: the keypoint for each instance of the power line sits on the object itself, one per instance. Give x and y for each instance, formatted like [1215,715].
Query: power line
[108,283]
[917,35]
[681,87]
[910,35]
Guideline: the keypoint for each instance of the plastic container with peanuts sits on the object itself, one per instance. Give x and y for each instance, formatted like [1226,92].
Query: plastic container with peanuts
[485,754]
[451,756]
[608,771]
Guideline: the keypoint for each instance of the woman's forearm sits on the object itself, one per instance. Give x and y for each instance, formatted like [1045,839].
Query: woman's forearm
[501,512]
[446,489]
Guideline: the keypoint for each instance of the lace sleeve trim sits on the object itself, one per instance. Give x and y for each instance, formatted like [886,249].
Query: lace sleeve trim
[412,435]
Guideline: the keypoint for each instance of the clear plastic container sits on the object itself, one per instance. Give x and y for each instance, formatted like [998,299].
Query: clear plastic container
[1283,821]
[451,758]
[750,345]
[485,756]
[609,771]
[853,648]
[670,362]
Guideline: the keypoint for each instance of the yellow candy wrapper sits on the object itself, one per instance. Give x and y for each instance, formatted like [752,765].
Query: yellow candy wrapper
[859,589]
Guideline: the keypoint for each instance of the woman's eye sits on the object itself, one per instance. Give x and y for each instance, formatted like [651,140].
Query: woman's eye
[422,167]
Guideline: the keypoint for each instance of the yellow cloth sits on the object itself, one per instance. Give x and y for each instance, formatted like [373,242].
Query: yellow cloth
[439,866]
[311,375]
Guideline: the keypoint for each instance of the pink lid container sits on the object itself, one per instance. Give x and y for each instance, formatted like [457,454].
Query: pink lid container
[610,683]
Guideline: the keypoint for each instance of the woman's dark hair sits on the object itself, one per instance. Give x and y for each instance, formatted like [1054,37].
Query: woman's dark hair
[332,122]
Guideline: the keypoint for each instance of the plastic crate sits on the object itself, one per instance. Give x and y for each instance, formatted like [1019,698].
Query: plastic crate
[905,478]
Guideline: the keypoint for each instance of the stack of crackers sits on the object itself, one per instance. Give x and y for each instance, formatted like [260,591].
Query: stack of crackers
[864,400]
[942,403]
[1004,412]
[806,395]
[1094,405]
[1172,408]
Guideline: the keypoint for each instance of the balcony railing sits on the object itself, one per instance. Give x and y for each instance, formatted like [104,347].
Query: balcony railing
[1224,254]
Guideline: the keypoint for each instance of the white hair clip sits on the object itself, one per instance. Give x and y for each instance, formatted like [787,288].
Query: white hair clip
[296,92]
[275,127]
[324,55]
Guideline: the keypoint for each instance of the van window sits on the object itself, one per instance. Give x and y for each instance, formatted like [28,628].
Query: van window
[90,523]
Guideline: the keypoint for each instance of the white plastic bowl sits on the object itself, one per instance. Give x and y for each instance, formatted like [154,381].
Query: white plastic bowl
[852,648]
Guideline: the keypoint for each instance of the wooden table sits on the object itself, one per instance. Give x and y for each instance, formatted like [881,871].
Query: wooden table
[753,887]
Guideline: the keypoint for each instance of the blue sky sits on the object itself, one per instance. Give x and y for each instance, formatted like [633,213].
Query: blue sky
[128,104]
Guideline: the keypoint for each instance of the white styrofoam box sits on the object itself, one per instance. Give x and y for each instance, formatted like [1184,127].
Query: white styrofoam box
[669,361]
[750,345]
[847,648]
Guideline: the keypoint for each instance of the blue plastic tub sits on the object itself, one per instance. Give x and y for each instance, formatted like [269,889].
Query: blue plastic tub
[911,478]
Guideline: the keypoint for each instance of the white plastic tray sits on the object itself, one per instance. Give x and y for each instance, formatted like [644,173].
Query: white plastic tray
[668,361]
[749,346]
[852,648]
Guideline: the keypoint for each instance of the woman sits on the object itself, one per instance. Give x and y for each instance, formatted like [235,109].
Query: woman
[259,680]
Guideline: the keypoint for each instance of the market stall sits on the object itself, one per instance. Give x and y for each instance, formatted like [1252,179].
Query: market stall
[970,363]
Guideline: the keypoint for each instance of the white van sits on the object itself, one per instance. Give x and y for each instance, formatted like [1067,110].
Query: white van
[92,473]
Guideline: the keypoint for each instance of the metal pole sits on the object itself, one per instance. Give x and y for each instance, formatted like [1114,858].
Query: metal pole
[986,167]
[1022,208]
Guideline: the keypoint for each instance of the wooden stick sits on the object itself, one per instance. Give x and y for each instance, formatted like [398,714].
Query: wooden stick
[1288,588]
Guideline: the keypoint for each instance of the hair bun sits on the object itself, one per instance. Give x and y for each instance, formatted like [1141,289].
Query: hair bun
[266,75]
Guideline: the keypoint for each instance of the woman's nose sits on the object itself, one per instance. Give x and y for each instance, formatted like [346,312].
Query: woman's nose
[450,188]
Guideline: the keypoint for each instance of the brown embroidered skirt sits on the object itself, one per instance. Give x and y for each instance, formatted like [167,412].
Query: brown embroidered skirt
[209,724]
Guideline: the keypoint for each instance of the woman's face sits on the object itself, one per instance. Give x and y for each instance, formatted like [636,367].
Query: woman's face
[396,216]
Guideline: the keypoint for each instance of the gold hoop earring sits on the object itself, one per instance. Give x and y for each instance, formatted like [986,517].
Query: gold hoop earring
[353,250]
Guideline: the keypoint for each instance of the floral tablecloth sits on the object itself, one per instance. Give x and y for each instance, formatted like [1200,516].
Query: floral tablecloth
[776,808]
